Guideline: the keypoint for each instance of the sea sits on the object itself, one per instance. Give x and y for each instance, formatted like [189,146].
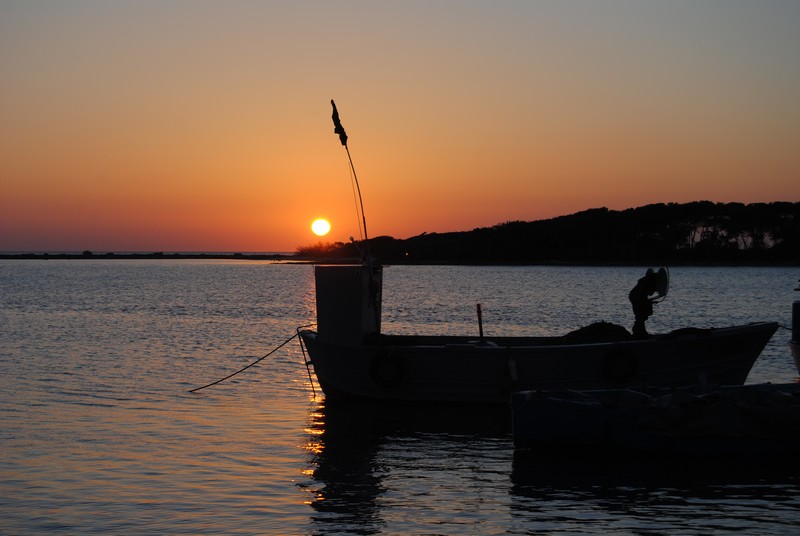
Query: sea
[100,434]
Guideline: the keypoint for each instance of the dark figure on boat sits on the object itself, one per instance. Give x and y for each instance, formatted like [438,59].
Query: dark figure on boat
[642,302]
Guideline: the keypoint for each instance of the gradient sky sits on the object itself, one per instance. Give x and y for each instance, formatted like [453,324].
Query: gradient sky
[192,125]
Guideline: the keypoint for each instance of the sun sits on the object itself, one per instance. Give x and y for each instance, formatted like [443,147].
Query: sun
[321,227]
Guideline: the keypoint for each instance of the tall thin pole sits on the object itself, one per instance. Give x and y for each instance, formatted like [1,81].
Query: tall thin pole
[339,129]
[358,189]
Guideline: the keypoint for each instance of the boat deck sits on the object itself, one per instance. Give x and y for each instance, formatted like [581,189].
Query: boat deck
[596,333]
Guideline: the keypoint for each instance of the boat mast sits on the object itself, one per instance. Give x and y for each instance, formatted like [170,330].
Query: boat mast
[339,129]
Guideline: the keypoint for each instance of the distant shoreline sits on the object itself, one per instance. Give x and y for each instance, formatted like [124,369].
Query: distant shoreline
[303,259]
[699,233]
[150,256]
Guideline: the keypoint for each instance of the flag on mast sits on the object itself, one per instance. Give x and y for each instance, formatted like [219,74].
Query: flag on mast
[337,124]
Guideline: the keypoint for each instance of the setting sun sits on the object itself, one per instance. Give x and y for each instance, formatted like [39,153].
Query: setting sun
[321,227]
[260,170]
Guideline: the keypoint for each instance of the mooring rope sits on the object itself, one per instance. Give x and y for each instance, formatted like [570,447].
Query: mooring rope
[306,360]
[281,345]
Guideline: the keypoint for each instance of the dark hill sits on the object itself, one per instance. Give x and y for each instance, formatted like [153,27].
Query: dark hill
[701,232]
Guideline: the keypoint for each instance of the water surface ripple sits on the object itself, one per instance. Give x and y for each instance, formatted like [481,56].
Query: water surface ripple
[100,435]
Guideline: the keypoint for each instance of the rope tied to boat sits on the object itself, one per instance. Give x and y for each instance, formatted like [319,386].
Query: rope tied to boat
[281,345]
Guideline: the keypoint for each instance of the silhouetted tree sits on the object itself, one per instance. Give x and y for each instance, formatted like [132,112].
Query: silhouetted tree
[697,232]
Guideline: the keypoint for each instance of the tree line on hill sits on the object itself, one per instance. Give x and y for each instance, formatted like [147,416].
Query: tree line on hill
[701,232]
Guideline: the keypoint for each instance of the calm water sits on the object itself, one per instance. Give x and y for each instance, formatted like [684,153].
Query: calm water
[99,434]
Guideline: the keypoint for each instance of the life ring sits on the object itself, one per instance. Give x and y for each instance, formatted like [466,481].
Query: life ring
[619,366]
[387,368]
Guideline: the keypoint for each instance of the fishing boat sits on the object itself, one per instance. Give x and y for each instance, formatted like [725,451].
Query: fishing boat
[353,359]
[742,421]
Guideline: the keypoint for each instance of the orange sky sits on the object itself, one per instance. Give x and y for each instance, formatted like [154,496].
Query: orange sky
[205,126]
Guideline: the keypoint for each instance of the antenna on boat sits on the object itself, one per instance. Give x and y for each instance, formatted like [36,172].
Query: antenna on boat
[339,129]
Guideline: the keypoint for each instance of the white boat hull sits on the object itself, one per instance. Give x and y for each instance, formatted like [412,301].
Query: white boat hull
[460,370]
